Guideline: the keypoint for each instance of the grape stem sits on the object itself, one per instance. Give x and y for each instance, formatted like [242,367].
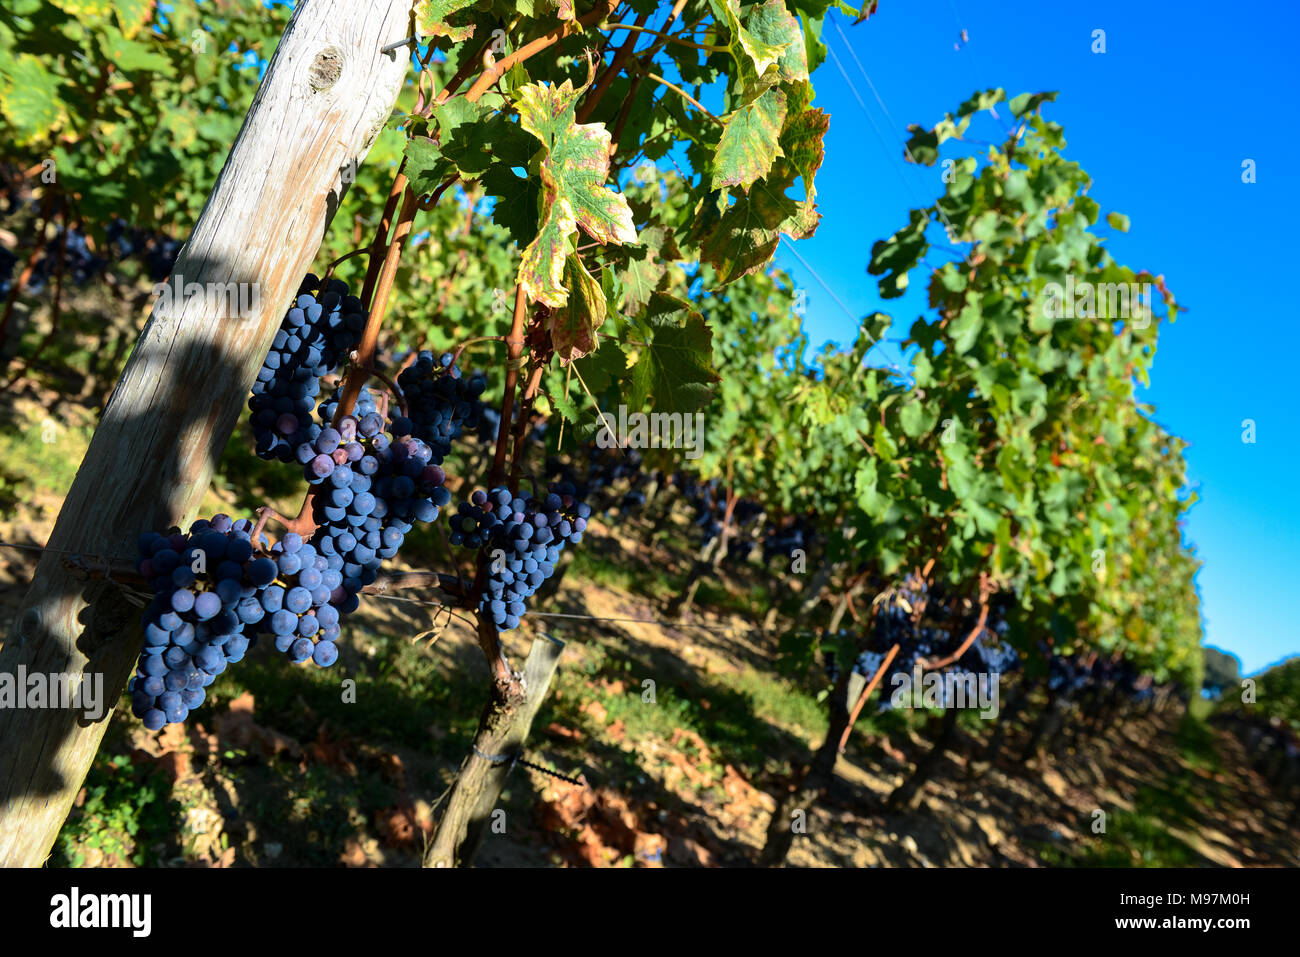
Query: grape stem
[451,557]
[615,67]
[970,639]
[451,586]
[365,353]
[381,235]
[362,251]
[515,344]
[521,427]
[493,73]
[302,523]
[401,397]
[455,355]
[507,680]
[668,37]
[866,693]
[683,94]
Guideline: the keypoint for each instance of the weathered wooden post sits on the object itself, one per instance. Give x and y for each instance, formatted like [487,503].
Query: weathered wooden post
[326,95]
[502,731]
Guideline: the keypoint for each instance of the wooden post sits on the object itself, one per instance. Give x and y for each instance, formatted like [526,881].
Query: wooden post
[502,731]
[325,98]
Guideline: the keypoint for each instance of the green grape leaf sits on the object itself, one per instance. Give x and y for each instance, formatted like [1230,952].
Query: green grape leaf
[605,368]
[966,325]
[132,56]
[674,367]
[572,168]
[566,404]
[475,145]
[455,112]
[516,206]
[916,418]
[645,268]
[750,141]
[1028,102]
[923,145]
[424,165]
[894,257]
[1117,221]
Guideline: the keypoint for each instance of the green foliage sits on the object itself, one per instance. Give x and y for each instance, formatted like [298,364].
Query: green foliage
[123,802]
[136,115]
[1222,670]
[1277,694]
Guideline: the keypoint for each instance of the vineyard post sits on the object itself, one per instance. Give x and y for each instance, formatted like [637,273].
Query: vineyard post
[326,95]
[502,732]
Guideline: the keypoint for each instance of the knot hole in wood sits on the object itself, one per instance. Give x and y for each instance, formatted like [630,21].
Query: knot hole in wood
[326,69]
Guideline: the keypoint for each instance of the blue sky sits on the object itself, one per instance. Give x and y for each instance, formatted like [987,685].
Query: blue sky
[1162,121]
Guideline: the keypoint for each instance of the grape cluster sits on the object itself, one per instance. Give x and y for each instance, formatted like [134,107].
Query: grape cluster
[365,405]
[316,334]
[781,540]
[371,490]
[208,589]
[441,402]
[521,541]
[80,264]
[489,424]
[300,605]
[160,257]
[472,526]
[216,589]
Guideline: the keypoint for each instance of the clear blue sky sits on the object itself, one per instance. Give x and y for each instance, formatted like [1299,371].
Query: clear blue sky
[1162,121]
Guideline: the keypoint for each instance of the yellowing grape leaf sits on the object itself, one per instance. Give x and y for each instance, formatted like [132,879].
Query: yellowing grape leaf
[746,235]
[432,16]
[133,15]
[747,49]
[29,98]
[750,141]
[773,24]
[742,237]
[572,168]
[85,9]
[573,327]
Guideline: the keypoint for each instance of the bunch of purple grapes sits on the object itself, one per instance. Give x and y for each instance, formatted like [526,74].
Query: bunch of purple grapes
[300,604]
[372,489]
[441,402]
[208,594]
[364,406]
[312,341]
[521,541]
